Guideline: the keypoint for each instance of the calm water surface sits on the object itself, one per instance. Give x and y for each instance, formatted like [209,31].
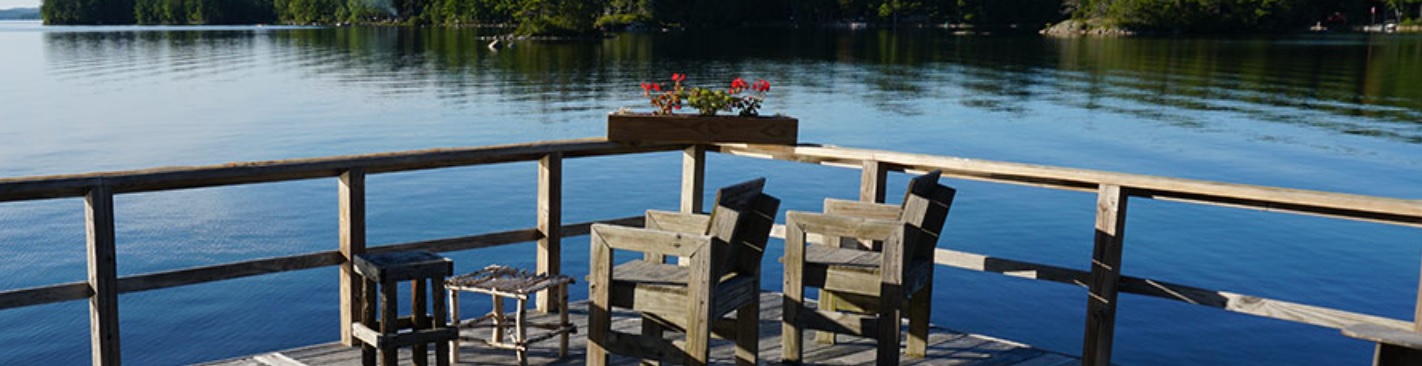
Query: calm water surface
[1327,112]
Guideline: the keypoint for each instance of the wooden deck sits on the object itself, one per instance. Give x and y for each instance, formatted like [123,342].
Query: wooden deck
[945,347]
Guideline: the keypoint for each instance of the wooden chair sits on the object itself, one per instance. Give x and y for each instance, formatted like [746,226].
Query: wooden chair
[724,252]
[874,264]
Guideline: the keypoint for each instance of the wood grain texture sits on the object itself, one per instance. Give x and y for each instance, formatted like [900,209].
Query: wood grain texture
[351,211]
[169,178]
[693,178]
[637,128]
[550,217]
[872,180]
[1337,205]
[945,347]
[1105,276]
[196,275]
[103,276]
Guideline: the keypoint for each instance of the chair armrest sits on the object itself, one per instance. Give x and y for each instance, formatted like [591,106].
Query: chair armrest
[688,223]
[648,240]
[841,226]
[868,210]
[1384,334]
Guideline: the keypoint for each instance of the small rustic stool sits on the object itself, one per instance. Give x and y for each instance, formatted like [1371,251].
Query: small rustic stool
[502,282]
[385,271]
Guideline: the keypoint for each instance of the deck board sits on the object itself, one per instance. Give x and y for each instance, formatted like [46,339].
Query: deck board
[945,347]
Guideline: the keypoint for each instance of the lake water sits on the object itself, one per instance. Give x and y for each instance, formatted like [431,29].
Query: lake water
[1327,112]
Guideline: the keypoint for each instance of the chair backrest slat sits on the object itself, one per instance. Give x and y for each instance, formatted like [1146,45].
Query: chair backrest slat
[925,206]
[741,220]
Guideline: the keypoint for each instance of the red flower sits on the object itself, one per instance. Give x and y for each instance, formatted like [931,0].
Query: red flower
[761,86]
[646,87]
[678,77]
[739,84]
[657,87]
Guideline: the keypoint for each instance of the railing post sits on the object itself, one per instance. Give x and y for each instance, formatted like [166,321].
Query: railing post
[1105,275]
[693,178]
[693,187]
[872,179]
[550,223]
[103,276]
[352,216]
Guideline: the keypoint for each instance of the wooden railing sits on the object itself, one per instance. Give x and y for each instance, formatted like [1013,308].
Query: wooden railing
[103,285]
[1114,190]
[1104,281]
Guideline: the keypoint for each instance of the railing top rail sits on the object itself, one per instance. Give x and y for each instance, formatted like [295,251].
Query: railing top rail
[1349,206]
[75,185]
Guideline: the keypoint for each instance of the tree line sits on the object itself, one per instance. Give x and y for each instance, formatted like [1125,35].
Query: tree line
[577,16]
[553,16]
[1233,16]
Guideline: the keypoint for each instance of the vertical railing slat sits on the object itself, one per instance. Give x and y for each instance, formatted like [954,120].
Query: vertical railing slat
[872,179]
[1105,275]
[550,223]
[693,178]
[352,237]
[103,276]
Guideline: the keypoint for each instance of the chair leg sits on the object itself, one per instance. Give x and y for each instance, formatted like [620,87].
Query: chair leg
[748,333]
[651,328]
[599,300]
[888,332]
[827,303]
[791,335]
[919,307]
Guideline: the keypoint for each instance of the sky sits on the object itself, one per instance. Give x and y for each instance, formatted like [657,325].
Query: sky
[7,4]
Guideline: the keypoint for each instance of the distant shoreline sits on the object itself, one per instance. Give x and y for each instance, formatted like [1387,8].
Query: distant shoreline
[20,14]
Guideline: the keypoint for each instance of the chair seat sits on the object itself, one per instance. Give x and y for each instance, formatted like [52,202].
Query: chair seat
[855,271]
[661,289]
[846,258]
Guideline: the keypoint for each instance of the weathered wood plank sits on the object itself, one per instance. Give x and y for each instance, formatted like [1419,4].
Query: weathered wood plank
[1338,205]
[1105,276]
[75,185]
[693,178]
[191,276]
[550,218]
[351,210]
[45,295]
[650,241]
[862,209]
[1229,301]
[945,347]
[103,276]
[872,180]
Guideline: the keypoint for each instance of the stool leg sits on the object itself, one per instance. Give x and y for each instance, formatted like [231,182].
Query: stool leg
[367,317]
[389,303]
[498,336]
[441,347]
[563,323]
[420,320]
[454,322]
[521,330]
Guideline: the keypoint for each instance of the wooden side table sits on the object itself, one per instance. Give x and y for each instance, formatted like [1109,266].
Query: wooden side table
[503,282]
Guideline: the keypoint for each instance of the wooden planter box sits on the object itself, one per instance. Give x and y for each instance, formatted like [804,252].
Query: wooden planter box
[702,129]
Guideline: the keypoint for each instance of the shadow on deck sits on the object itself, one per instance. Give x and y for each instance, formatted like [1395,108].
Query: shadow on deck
[945,347]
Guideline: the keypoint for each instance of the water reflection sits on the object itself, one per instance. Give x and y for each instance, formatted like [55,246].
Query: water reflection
[1350,84]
